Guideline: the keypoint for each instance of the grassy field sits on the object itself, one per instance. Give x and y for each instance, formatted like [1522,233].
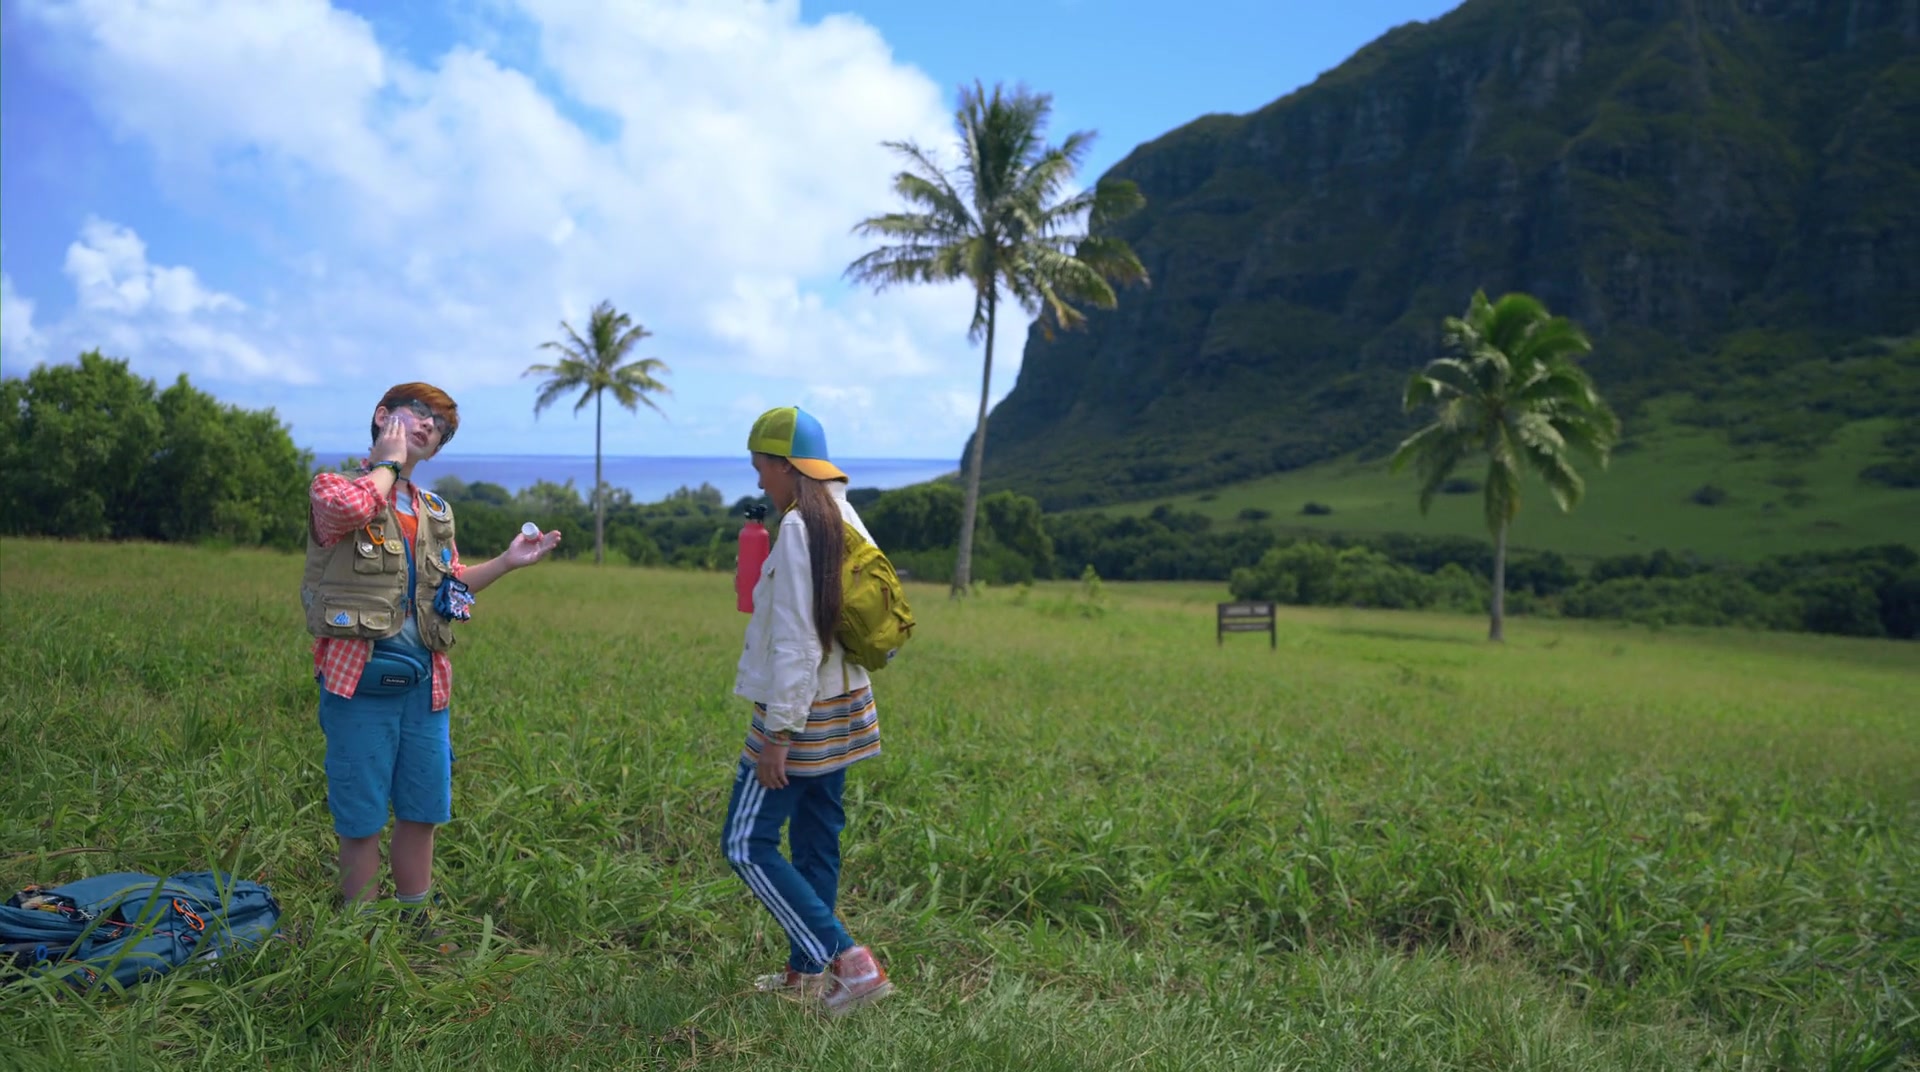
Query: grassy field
[1643,501]
[1095,840]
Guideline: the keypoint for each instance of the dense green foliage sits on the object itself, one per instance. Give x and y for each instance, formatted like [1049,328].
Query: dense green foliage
[91,450]
[1722,195]
[1874,592]
[1094,841]
[1868,591]
[135,463]
[916,525]
[692,528]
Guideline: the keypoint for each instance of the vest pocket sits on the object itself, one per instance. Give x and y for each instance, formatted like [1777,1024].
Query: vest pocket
[369,557]
[435,631]
[365,617]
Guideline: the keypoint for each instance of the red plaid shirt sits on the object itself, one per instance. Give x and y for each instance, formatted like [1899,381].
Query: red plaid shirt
[341,506]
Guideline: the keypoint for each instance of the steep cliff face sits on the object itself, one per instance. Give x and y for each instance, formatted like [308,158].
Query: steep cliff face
[1667,172]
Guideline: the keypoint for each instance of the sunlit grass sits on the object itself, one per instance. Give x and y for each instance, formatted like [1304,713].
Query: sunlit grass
[1095,840]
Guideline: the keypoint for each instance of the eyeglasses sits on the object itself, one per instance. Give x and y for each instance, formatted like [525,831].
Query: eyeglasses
[425,412]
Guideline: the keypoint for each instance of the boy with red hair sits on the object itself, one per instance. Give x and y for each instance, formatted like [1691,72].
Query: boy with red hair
[383,587]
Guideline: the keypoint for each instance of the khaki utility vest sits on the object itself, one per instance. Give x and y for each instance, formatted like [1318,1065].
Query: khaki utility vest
[356,588]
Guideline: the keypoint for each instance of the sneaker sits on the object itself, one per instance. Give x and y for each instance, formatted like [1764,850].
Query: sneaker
[792,984]
[419,919]
[854,979]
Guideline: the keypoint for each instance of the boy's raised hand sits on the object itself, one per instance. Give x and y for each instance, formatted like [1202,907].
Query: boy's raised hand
[526,550]
[392,444]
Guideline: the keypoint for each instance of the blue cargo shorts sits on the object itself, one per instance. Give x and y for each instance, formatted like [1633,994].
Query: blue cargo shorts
[387,749]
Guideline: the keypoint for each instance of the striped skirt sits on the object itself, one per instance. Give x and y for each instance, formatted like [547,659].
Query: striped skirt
[841,731]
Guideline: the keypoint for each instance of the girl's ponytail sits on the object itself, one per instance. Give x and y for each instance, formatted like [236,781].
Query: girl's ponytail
[826,547]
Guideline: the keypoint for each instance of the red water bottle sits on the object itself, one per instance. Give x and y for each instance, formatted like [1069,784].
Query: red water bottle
[754,545]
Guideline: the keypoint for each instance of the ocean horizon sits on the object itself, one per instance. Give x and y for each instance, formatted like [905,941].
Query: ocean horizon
[650,478]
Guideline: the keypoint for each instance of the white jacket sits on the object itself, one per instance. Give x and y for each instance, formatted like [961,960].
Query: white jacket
[782,665]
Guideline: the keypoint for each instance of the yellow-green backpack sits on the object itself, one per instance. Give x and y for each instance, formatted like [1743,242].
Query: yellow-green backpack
[875,621]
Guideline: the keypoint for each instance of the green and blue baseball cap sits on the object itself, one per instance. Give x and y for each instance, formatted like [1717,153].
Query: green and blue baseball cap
[794,434]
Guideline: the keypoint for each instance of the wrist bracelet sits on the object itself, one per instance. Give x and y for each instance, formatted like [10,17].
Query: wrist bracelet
[395,466]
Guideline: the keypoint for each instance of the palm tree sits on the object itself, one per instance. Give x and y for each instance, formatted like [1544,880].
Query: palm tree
[1508,386]
[1003,221]
[594,366]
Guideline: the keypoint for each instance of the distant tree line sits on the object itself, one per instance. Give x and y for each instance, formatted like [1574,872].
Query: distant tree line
[92,451]
[692,528]
[1868,592]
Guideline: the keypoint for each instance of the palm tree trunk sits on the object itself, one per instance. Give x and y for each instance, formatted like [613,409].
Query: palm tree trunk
[963,560]
[1497,631]
[599,500]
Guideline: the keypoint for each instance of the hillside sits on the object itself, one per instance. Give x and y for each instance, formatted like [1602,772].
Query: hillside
[1681,489]
[1721,193]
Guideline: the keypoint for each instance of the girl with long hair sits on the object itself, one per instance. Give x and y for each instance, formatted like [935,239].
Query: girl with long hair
[813,717]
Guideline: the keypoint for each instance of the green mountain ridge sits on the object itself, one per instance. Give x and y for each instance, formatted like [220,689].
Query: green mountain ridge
[1721,193]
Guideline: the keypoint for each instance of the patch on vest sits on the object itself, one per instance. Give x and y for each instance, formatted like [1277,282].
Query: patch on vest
[343,618]
[436,506]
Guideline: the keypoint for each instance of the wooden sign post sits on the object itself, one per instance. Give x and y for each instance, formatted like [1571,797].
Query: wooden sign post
[1246,618]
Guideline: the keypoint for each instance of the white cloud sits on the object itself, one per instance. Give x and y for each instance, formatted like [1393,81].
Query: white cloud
[783,330]
[160,315]
[110,273]
[442,214]
[291,79]
[20,344]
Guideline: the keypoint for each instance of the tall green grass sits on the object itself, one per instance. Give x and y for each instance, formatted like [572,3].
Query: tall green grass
[1096,840]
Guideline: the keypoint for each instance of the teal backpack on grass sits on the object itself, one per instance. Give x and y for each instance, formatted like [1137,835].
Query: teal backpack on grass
[875,621]
[129,926]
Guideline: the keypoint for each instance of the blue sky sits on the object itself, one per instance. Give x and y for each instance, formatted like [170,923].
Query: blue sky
[298,203]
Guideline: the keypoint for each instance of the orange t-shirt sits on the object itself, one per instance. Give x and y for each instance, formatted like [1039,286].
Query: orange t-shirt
[409,517]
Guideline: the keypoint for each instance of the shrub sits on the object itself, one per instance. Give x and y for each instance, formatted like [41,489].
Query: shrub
[1314,509]
[1897,474]
[1365,578]
[1709,495]
[634,543]
[1311,573]
[1300,573]
[1900,605]
[1543,573]
[1254,513]
[1456,589]
[1702,599]
[933,565]
[91,450]
[1842,605]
